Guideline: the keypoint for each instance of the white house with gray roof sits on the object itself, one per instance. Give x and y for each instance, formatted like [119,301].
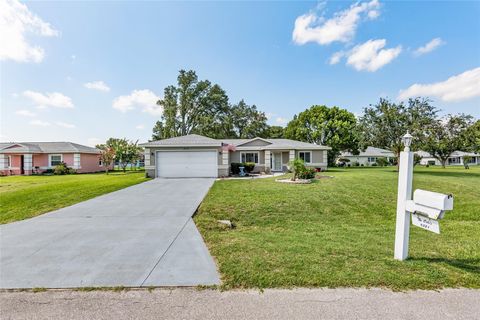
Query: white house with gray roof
[368,157]
[198,156]
[455,159]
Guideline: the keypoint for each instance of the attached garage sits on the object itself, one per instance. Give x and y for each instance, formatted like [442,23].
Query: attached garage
[187,164]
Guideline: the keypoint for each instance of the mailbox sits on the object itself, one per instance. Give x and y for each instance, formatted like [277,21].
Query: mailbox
[430,204]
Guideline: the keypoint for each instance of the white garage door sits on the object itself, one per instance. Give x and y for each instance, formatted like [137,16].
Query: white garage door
[186,164]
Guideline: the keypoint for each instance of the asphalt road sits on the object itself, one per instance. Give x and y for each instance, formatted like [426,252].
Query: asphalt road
[185,303]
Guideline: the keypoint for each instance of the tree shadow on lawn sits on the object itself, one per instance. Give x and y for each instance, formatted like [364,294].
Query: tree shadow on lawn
[468,265]
[465,174]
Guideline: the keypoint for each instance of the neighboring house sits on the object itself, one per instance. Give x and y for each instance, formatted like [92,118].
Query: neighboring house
[369,156]
[455,159]
[25,158]
[198,156]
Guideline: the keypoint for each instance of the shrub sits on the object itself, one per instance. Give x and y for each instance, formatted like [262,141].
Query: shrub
[62,168]
[382,162]
[374,164]
[249,166]
[235,167]
[355,164]
[307,173]
[296,166]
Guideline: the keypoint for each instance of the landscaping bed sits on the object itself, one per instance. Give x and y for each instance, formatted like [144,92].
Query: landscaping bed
[340,232]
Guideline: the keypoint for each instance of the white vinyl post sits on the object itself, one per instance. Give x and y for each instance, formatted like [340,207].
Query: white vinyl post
[405,177]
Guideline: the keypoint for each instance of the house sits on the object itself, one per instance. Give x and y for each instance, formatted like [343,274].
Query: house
[369,156]
[198,156]
[25,158]
[455,159]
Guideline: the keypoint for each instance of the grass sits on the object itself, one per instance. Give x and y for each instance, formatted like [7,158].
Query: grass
[23,197]
[340,232]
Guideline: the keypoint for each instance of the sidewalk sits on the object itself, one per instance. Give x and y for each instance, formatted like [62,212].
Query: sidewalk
[271,304]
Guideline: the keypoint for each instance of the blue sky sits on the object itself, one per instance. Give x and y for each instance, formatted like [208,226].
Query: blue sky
[86,71]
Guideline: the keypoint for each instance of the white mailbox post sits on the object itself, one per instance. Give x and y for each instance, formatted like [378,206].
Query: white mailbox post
[426,207]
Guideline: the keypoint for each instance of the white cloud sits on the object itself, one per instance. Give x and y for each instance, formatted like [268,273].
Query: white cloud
[53,99]
[25,113]
[65,125]
[281,121]
[97,85]
[140,127]
[336,57]
[430,46]
[146,100]
[456,88]
[371,56]
[341,27]
[40,123]
[16,21]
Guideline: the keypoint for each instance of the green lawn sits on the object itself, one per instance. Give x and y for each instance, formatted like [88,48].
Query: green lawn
[23,197]
[339,232]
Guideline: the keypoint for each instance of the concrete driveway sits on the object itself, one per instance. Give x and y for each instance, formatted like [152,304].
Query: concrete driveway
[139,236]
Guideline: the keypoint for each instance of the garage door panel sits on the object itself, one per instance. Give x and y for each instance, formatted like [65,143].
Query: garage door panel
[184,164]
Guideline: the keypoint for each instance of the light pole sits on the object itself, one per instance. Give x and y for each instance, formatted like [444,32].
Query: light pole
[405,177]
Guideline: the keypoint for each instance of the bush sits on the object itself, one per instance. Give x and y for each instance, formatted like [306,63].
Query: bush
[355,164]
[249,166]
[296,166]
[62,168]
[382,162]
[374,164]
[235,167]
[307,173]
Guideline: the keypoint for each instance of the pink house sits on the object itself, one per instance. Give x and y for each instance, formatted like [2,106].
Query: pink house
[25,158]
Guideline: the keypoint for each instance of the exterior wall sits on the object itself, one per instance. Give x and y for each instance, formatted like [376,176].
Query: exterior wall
[319,158]
[90,163]
[235,157]
[360,159]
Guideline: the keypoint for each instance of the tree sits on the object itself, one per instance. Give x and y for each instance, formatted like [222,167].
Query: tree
[383,125]
[132,153]
[446,136]
[107,156]
[247,122]
[472,138]
[466,160]
[120,147]
[322,125]
[192,106]
[275,132]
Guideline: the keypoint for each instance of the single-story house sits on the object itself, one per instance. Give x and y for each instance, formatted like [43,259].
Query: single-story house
[25,158]
[369,156]
[455,159]
[198,156]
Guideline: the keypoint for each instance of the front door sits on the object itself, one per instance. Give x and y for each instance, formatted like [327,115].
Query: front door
[22,169]
[277,161]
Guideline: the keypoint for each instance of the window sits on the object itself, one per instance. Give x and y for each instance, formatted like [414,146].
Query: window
[9,161]
[306,156]
[55,159]
[249,157]
[372,159]
[100,162]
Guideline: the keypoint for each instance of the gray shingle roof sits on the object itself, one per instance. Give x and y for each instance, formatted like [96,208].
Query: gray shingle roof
[45,147]
[188,140]
[197,140]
